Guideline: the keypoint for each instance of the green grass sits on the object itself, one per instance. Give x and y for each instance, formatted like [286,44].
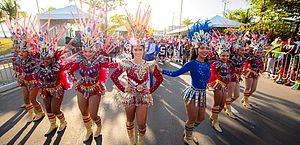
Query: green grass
[5,45]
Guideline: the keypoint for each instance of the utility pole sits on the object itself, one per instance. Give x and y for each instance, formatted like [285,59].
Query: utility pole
[37,4]
[180,15]
[173,21]
[225,3]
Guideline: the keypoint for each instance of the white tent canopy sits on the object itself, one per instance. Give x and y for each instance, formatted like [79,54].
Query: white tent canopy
[63,16]
[66,13]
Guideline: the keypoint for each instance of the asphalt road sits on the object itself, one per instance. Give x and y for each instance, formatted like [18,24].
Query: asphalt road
[274,119]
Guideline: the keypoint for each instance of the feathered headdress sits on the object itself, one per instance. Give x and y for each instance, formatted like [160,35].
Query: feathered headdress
[47,40]
[92,36]
[223,42]
[199,35]
[137,28]
[259,41]
[21,34]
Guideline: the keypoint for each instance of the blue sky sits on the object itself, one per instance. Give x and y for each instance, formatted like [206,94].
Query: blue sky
[162,10]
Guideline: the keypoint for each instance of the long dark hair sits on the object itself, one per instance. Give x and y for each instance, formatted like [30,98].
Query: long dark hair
[194,53]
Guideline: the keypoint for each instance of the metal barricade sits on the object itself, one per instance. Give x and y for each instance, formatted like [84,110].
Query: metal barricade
[6,71]
[294,70]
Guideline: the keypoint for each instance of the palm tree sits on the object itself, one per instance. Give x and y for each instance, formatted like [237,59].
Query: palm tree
[243,16]
[1,17]
[10,8]
[187,22]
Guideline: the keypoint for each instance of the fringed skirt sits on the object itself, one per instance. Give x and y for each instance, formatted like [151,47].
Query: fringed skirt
[192,93]
[95,89]
[249,73]
[29,84]
[217,85]
[128,99]
[56,91]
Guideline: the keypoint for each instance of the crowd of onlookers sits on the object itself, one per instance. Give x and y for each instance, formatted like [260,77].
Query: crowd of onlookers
[283,64]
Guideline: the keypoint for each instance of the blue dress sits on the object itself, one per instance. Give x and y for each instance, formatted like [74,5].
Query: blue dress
[200,74]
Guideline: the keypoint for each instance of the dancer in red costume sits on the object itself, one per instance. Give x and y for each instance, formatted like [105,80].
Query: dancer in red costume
[252,67]
[92,67]
[236,60]
[219,80]
[52,77]
[135,96]
[25,64]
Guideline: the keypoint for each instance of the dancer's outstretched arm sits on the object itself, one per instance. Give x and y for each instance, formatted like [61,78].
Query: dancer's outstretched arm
[175,73]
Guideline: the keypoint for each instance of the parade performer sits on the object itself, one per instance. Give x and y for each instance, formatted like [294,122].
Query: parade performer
[25,64]
[170,50]
[51,76]
[219,80]
[252,67]
[162,52]
[93,72]
[194,96]
[135,96]
[236,60]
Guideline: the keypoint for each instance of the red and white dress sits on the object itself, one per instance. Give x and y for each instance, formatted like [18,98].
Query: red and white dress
[137,78]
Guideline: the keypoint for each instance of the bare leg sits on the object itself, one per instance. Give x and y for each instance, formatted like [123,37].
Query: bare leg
[247,92]
[83,107]
[192,114]
[47,103]
[37,106]
[130,115]
[141,117]
[82,104]
[218,106]
[94,102]
[29,106]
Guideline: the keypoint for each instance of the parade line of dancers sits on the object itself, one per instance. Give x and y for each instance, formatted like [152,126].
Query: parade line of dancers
[217,62]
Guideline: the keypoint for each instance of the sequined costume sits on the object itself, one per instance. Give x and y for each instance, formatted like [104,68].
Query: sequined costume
[92,74]
[25,69]
[52,80]
[252,66]
[220,75]
[137,78]
[237,62]
[200,75]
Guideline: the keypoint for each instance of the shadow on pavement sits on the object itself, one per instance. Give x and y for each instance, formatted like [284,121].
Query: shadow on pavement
[14,139]
[59,137]
[12,122]
[49,137]
[26,137]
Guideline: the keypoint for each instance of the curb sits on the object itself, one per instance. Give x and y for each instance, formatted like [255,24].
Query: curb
[7,87]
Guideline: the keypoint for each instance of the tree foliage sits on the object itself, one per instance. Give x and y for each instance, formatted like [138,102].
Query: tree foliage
[242,16]
[268,16]
[51,8]
[187,22]
[10,8]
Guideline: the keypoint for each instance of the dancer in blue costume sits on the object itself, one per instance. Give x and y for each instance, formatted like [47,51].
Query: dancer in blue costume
[199,68]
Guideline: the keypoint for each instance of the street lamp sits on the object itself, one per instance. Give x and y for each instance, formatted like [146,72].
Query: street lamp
[225,3]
